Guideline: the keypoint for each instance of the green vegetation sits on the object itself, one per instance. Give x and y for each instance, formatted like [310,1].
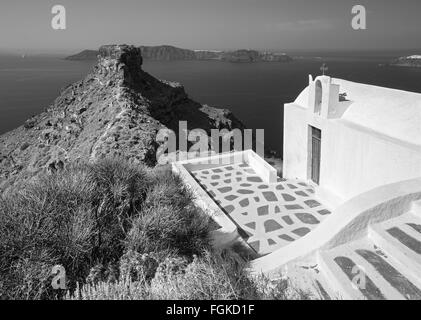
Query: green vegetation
[121,232]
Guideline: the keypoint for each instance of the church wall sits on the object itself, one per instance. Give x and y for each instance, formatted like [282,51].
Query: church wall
[355,160]
[295,142]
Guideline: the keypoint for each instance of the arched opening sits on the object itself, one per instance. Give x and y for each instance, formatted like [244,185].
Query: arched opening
[318,97]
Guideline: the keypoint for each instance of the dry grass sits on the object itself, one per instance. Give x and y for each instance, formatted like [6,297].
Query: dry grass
[86,216]
[121,232]
[209,277]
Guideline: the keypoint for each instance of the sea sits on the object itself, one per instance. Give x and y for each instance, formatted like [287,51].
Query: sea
[254,92]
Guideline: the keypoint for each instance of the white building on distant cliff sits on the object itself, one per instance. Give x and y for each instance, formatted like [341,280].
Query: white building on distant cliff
[349,138]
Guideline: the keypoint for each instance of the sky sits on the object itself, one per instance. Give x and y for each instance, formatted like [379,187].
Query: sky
[285,25]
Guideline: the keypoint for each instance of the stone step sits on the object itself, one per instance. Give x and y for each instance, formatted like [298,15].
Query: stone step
[361,270]
[336,279]
[385,264]
[400,238]
[305,274]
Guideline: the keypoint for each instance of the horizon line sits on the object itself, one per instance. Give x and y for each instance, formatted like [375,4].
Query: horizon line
[41,51]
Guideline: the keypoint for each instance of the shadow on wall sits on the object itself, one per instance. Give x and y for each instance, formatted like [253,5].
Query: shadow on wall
[341,108]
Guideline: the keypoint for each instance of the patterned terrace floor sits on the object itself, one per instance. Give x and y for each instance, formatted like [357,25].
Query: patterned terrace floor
[269,216]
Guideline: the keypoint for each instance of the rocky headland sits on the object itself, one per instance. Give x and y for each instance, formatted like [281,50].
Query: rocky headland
[116,111]
[170,53]
[85,55]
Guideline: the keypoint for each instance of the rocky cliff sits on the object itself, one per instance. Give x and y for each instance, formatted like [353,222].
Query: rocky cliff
[170,53]
[254,56]
[167,53]
[116,110]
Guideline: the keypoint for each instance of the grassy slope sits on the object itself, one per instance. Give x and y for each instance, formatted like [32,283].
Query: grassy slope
[121,232]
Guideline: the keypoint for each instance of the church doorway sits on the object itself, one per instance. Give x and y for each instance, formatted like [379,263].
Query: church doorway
[316,142]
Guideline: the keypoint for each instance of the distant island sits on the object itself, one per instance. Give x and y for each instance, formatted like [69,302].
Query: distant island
[170,53]
[409,61]
[85,55]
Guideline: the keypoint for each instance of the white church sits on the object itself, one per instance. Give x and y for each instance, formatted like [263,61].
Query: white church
[344,220]
[348,138]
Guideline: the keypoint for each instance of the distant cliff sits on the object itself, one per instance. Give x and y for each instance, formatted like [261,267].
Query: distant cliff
[409,61]
[116,111]
[166,53]
[170,53]
[254,56]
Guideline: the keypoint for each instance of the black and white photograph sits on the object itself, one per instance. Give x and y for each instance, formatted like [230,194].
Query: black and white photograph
[189,151]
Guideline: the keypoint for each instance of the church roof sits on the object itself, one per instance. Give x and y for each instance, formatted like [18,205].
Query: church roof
[392,112]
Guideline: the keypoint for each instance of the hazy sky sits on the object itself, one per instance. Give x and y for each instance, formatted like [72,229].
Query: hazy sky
[210,24]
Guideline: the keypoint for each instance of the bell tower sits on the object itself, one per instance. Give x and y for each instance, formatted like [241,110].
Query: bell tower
[323,96]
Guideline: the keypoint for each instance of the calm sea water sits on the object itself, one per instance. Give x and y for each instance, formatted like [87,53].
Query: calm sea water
[254,92]
[29,85]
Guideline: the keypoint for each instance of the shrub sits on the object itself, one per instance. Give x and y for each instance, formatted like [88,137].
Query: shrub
[138,267]
[169,190]
[120,189]
[209,277]
[169,220]
[52,217]
[120,232]
[125,289]
[103,273]
[77,217]
[96,220]
[206,277]
[172,266]
[31,277]
[165,227]
[280,289]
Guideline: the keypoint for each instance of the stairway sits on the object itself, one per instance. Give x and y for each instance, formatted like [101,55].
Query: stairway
[386,264]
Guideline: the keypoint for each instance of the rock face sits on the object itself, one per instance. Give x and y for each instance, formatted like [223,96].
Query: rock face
[410,61]
[254,56]
[208,55]
[167,53]
[170,53]
[116,110]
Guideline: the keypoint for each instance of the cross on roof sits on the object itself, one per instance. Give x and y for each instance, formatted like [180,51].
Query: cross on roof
[324,68]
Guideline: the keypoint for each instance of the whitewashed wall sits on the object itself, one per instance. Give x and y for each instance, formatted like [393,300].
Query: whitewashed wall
[353,159]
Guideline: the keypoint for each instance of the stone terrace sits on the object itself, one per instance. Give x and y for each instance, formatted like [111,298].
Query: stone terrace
[269,216]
